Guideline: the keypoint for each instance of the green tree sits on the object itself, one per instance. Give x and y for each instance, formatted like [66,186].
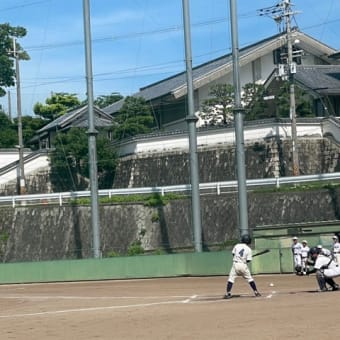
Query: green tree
[218,107]
[9,134]
[253,101]
[7,70]
[29,127]
[70,161]
[57,105]
[106,100]
[135,117]
[303,106]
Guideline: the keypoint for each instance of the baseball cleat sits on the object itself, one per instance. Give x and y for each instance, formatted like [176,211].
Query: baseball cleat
[227,296]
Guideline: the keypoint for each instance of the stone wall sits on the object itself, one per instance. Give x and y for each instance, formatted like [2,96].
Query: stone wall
[52,233]
[35,184]
[265,158]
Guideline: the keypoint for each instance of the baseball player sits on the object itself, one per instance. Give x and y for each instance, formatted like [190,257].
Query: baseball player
[336,249]
[304,257]
[242,255]
[326,269]
[324,251]
[296,250]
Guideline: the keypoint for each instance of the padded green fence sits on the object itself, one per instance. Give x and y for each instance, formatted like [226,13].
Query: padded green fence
[147,266]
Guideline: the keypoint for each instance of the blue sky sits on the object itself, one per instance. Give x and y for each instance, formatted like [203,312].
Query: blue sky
[138,42]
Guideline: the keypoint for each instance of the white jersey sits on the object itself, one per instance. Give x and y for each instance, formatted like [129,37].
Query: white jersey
[242,253]
[336,248]
[328,266]
[296,248]
[304,251]
[323,261]
[326,252]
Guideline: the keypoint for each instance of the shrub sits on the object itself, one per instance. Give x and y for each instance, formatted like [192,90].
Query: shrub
[135,248]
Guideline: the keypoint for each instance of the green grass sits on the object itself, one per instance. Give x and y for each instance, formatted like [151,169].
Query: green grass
[151,200]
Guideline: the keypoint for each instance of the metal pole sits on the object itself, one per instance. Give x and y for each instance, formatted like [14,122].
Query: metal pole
[21,175]
[291,72]
[191,120]
[10,107]
[238,114]
[92,133]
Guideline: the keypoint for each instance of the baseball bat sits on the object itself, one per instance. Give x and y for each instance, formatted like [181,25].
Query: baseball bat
[262,252]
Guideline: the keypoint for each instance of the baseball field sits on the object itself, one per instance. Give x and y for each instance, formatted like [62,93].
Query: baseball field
[169,308]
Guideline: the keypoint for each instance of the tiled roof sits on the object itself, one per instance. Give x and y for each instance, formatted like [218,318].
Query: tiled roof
[324,79]
[78,117]
[172,84]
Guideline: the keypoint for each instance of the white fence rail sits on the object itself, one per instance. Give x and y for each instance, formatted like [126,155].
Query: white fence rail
[205,188]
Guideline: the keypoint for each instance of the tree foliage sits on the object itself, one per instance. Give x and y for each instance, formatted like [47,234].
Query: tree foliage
[8,135]
[218,107]
[7,70]
[9,130]
[57,105]
[253,101]
[106,100]
[303,106]
[135,117]
[29,127]
[70,161]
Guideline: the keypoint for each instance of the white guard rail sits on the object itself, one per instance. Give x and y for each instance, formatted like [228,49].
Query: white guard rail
[205,188]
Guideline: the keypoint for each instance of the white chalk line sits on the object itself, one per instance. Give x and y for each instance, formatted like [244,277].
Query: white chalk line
[69,297]
[91,309]
[193,298]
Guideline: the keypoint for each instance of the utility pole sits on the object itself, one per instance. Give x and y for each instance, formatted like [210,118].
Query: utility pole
[21,170]
[291,72]
[284,10]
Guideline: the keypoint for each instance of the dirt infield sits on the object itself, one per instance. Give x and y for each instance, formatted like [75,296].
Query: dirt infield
[173,308]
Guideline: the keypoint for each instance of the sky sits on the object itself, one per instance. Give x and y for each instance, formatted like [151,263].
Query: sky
[138,42]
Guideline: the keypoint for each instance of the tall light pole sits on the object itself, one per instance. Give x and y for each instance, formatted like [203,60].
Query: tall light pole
[191,120]
[21,169]
[92,134]
[239,134]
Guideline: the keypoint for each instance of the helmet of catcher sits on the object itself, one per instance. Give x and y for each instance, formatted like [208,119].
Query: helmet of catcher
[314,251]
[246,239]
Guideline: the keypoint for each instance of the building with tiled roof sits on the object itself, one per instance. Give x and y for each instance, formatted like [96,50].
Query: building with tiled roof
[317,72]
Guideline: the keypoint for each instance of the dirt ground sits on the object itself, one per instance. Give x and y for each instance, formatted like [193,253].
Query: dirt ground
[170,308]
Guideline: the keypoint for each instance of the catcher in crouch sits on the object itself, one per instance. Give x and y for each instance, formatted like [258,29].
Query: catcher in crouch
[242,254]
[326,269]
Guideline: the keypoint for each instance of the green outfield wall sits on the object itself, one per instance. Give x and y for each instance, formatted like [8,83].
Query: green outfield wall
[145,266]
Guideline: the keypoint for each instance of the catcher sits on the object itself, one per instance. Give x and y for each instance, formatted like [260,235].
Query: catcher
[326,269]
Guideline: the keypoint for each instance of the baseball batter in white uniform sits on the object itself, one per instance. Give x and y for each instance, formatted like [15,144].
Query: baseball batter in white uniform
[296,250]
[336,249]
[326,269]
[242,254]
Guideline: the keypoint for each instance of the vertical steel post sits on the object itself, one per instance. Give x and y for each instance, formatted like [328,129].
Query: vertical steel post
[238,114]
[92,133]
[191,120]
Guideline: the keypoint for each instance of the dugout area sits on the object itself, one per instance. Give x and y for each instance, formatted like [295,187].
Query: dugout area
[278,238]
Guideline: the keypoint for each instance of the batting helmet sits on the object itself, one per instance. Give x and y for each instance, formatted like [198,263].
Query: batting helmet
[246,239]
